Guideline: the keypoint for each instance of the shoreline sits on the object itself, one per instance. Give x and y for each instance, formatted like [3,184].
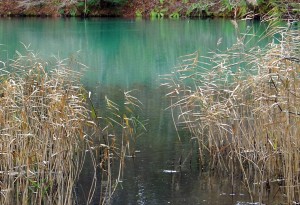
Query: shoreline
[148,9]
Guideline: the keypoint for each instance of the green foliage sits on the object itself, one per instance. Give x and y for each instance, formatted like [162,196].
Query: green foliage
[36,186]
[158,13]
[175,15]
[259,2]
[56,3]
[80,4]
[239,7]
[243,8]
[93,2]
[193,7]
[278,8]
[61,11]
[228,6]
[86,10]
[197,8]
[84,6]
[73,11]
[153,14]
[138,14]
[116,1]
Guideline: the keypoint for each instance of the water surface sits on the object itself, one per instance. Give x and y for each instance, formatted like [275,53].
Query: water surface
[132,54]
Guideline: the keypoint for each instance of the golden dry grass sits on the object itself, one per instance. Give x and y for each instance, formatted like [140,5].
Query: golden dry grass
[48,124]
[242,106]
[43,119]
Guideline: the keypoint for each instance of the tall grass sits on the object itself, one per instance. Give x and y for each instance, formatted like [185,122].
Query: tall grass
[43,124]
[242,107]
[48,126]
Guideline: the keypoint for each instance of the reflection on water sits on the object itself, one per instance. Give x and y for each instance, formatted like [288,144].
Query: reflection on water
[128,55]
[155,176]
[119,52]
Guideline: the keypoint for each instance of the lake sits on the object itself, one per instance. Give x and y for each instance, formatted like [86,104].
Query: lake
[124,55]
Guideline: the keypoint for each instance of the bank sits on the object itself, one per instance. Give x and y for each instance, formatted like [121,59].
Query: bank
[259,9]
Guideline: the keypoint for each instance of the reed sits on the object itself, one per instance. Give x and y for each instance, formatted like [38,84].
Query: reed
[48,126]
[242,107]
[43,119]
[118,129]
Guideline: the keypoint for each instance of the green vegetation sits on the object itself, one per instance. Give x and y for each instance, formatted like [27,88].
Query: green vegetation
[157,13]
[49,126]
[138,14]
[155,9]
[175,15]
[242,107]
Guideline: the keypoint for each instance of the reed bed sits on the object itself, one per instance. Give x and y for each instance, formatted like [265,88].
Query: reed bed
[48,125]
[43,119]
[242,106]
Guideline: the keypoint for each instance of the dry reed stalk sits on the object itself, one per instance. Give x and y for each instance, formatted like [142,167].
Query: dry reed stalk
[243,108]
[46,130]
[124,137]
[43,119]
[119,129]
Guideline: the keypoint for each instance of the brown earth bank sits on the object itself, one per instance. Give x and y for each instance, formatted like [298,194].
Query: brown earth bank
[289,9]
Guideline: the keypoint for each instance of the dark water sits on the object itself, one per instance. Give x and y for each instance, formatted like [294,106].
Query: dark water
[129,54]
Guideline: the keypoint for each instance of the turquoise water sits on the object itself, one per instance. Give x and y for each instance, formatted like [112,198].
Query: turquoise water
[118,52]
[132,54]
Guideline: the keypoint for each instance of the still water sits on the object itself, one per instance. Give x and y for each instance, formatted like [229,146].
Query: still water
[131,55]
